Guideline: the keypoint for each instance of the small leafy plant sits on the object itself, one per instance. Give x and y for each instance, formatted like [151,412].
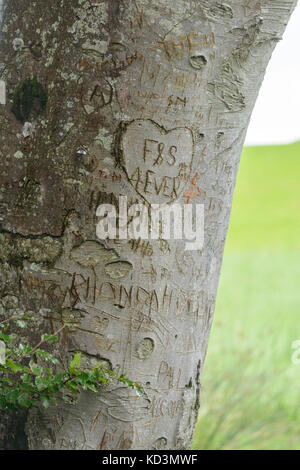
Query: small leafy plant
[24,382]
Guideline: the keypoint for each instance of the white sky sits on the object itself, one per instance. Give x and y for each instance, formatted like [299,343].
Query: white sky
[276,116]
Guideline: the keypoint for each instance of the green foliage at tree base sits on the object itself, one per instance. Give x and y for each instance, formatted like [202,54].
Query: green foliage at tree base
[24,382]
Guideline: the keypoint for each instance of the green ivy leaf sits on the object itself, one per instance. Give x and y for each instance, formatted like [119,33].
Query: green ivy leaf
[35,368]
[26,378]
[21,323]
[47,356]
[75,363]
[5,338]
[51,338]
[14,366]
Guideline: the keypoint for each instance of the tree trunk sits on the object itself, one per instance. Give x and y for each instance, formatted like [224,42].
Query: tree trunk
[148,99]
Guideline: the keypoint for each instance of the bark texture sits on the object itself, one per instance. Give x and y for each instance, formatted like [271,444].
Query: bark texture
[97,92]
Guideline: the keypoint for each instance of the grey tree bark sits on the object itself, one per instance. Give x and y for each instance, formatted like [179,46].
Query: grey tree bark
[148,99]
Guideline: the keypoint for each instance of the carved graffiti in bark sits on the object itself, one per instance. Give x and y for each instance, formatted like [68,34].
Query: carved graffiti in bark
[154,164]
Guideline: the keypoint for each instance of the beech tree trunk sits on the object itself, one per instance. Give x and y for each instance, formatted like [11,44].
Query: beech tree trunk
[148,99]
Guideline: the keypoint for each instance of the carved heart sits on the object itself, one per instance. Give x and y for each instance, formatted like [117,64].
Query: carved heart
[157,162]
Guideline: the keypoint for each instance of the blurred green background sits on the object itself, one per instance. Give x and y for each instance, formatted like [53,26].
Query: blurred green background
[250,387]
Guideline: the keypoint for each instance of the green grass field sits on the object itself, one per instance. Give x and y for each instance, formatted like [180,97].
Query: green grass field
[250,388]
